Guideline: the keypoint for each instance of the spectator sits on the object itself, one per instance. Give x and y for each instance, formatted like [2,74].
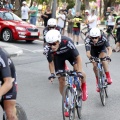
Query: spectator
[117,25]
[44,6]
[47,15]
[34,12]
[107,14]
[65,11]
[61,20]
[76,27]
[92,20]
[8,5]
[24,11]
[69,19]
[73,11]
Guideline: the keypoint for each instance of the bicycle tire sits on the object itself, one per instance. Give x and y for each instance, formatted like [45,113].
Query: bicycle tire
[111,40]
[79,106]
[21,114]
[66,104]
[100,85]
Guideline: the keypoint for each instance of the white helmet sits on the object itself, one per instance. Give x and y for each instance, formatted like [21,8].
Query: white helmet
[52,22]
[53,36]
[87,11]
[95,32]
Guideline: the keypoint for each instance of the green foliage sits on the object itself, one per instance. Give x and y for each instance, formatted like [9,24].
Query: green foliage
[71,3]
[83,6]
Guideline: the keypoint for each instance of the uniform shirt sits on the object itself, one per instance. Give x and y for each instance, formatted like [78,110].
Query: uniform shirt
[101,42]
[66,46]
[76,25]
[24,12]
[46,29]
[7,68]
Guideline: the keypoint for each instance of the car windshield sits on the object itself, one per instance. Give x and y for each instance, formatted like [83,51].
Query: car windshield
[10,16]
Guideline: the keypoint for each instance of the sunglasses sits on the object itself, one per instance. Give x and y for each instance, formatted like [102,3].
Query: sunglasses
[52,44]
[94,37]
[51,27]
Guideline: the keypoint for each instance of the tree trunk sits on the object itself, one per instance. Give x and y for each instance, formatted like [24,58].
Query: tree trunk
[87,4]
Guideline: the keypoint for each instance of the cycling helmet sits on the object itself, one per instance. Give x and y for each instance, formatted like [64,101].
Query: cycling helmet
[95,32]
[53,36]
[52,22]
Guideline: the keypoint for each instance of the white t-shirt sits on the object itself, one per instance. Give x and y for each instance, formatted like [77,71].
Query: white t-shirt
[94,23]
[60,21]
[110,20]
[24,12]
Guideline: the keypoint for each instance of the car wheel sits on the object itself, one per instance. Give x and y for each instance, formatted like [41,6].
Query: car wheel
[29,41]
[7,35]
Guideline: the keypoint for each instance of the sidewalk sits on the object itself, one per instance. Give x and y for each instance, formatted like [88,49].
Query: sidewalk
[11,49]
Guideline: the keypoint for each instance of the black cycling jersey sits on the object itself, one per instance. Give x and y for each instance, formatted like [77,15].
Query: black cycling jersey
[118,23]
[7,69]
[102,41]
[66,51]
[46,29]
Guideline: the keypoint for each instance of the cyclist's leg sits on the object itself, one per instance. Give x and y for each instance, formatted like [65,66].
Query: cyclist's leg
[95,53]
[9,103]
[105,66]
[83,81]
[59,62]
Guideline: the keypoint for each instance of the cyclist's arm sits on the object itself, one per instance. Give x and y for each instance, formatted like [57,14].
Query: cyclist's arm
[109,49]
[6,75]
[87,47]
[51,67]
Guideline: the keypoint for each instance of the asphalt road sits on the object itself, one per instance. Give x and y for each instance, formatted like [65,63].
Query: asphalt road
[41,99]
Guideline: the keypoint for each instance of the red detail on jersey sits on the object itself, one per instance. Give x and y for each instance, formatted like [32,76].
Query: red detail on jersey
[64,41]
[54,53]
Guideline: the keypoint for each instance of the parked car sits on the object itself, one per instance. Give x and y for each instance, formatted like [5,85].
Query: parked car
[13,28]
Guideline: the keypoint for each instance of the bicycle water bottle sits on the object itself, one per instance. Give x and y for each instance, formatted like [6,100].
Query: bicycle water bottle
[76,82]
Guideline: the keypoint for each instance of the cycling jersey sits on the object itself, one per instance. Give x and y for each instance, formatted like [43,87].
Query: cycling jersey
[7,69]
[66,51]
[46,29]
[97,48]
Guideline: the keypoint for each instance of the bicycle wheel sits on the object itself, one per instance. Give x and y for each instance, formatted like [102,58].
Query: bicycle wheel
[79,104]
[101,87]
[20,112]
[111,40]
[68,103]
[102,96]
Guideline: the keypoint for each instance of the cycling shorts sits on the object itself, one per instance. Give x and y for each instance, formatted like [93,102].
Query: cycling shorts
[118,36]
[12,93]
[59,61]
[96,50]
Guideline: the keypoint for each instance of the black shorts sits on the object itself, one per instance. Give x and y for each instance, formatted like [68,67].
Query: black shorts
[118,36]
[110,28]
[12,93]
[59,61]
[96,50]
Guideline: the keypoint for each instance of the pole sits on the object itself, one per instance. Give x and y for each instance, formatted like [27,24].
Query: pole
[54,8]
[77,6]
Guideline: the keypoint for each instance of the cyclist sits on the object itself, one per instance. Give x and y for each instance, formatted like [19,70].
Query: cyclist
[8,89]
[61,48]
[117,25]
[51,24]
[96,45]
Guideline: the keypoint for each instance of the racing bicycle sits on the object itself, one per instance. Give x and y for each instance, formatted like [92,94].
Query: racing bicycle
[102,81]
[72,95]
[21,115]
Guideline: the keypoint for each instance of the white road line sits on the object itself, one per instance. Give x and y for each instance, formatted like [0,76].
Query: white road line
[28,50]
